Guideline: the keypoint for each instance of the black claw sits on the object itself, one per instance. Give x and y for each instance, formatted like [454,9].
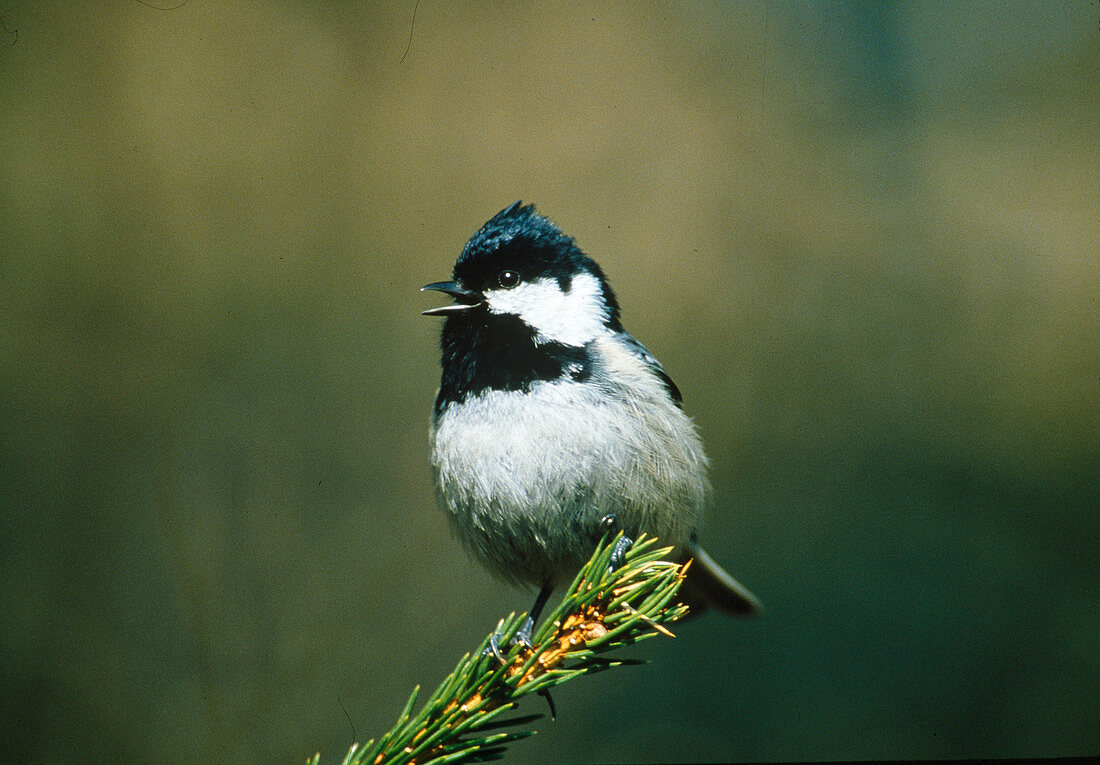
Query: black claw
[522,637]
[618,552]
[545,693]
[494,648]
[523,634]
[622,544]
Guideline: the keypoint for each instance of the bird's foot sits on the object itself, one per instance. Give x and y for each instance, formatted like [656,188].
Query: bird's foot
[522,637]
[622,544]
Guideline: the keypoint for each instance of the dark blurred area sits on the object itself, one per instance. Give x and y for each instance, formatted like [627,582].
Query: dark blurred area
[863,238]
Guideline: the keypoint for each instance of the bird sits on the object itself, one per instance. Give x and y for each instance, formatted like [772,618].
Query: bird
[551,421]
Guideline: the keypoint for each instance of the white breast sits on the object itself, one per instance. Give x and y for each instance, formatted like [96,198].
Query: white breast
[525,478]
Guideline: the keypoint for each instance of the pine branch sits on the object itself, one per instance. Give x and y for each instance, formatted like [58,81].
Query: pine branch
[604,609]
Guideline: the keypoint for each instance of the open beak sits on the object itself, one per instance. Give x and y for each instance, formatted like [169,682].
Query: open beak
[464,299]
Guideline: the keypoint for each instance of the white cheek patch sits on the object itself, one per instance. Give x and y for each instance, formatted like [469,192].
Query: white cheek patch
[574,318]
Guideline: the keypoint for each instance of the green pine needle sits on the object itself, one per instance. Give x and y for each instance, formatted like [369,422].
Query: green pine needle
[603,610]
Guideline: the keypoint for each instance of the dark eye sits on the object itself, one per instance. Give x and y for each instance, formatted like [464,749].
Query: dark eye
[508,279]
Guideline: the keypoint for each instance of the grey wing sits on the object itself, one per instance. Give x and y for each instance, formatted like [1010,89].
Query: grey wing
[650,360]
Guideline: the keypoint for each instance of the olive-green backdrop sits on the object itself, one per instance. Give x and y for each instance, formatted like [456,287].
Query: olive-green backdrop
[864,239]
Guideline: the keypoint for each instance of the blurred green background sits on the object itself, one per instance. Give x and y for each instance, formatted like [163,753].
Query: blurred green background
[864,239]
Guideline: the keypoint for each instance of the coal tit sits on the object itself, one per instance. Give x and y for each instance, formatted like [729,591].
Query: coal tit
[550,418]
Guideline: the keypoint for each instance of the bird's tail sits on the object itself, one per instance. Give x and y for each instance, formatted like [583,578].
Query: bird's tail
[708,585]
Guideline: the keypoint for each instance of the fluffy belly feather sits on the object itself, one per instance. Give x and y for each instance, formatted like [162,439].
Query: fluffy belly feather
[526,478]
